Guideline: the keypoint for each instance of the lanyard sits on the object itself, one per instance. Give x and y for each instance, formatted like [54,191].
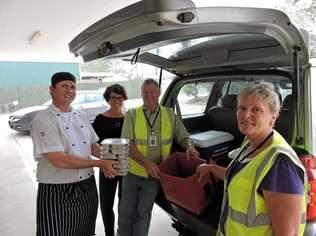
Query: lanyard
[237,162]
[151,126]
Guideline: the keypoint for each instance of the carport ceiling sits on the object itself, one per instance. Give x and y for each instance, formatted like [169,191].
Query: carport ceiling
[56,22]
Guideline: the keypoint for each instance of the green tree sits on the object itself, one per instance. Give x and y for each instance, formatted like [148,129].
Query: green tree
[303,14]
[97,66]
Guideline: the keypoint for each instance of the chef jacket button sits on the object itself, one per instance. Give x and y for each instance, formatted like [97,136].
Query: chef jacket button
[80,177]
[73,144]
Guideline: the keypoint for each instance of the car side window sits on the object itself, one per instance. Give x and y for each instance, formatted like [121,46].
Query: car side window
[232,87]
[193,97]
[283,88]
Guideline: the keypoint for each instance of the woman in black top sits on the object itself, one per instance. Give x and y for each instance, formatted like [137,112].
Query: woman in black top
[109,125]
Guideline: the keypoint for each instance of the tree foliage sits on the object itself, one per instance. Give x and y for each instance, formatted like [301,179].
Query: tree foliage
[303,14]
[97,66]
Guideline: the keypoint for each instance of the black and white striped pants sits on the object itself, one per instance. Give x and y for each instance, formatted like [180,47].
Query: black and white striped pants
[67,209]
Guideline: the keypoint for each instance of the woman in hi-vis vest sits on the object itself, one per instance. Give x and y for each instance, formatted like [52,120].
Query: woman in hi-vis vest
[265,184]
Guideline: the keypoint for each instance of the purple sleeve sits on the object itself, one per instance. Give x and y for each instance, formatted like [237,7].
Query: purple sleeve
[284,176]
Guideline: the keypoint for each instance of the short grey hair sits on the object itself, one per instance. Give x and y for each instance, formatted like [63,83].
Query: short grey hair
[150,81]
[262,90]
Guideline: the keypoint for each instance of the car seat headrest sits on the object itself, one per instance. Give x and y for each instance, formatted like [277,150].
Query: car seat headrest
[230,101]
[287,103]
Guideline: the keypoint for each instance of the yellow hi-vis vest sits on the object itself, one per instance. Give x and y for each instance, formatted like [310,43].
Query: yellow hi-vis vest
[141,138]
[247,212]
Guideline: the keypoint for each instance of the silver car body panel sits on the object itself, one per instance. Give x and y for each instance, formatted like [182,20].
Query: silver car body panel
[250,42]
[146,25]
[242,39]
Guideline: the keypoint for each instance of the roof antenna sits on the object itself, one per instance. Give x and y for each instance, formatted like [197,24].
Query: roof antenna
[135,57]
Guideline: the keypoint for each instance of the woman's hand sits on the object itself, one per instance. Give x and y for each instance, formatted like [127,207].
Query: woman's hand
[96,150]
[202,170]
[206,169]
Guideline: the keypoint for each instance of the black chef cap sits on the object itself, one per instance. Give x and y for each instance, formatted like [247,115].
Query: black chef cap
[61,76]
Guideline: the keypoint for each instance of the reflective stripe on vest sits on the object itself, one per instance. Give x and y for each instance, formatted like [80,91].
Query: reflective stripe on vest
[141,138]
[250,218]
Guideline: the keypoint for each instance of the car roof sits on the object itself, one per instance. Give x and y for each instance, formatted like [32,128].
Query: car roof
[243,37]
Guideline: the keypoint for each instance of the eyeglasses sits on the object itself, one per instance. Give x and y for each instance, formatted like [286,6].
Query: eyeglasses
[116,97]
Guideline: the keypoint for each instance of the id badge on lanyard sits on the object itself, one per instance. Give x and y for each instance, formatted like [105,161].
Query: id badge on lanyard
[152,139]
[152,135]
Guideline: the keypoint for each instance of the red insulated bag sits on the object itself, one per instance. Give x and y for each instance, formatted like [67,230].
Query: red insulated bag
[309,162]
[180,184]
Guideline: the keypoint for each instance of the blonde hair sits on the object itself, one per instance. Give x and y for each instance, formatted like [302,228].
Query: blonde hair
[264,91]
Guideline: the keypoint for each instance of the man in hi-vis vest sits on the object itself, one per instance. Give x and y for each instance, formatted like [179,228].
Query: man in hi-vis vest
[151,129]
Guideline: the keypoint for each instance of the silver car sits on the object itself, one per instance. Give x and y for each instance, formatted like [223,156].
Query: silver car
[92,102]
[213,54]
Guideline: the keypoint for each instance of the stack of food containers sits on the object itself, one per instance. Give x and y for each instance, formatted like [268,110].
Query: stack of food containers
[117,149]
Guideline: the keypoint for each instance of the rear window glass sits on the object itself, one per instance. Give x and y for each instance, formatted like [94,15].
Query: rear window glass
[283,88]
[193,97]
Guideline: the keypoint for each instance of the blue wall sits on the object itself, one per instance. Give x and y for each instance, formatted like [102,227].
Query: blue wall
[13,74]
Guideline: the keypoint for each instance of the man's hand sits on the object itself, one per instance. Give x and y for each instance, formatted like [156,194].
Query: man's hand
[106,167]
[191,152]
[152,169]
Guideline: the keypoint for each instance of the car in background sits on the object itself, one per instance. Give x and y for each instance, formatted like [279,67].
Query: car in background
[92,102]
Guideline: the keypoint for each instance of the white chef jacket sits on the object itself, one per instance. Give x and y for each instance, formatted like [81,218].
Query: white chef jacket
[68,132]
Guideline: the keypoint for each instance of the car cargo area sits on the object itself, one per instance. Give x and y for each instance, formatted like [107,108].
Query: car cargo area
[215,133]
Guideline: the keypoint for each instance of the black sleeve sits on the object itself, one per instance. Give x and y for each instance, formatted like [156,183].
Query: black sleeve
[98,128]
